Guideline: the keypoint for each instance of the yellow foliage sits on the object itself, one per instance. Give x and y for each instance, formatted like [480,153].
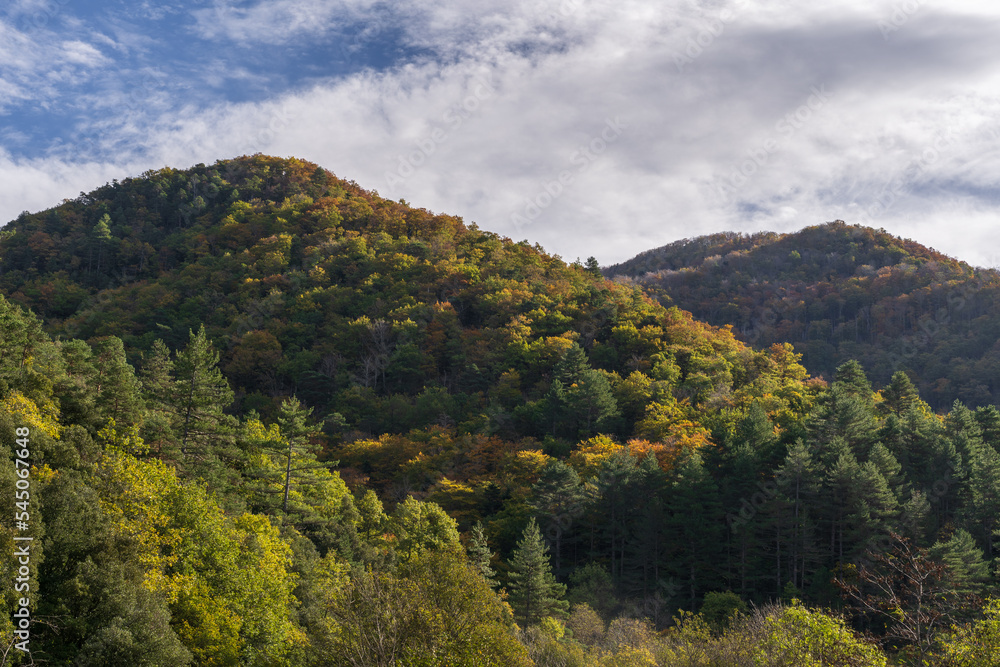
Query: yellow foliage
[532,460]
[44,418]
[589,456]
[128,441]
[131,499]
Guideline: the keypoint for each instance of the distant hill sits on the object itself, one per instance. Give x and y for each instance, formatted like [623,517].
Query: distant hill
[839,292]
[310,285]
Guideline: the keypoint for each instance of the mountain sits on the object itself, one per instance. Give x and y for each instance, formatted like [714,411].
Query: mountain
[312,286]
[254,414]
[840,292]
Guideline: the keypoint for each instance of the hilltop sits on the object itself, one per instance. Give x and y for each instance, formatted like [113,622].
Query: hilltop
[839,292]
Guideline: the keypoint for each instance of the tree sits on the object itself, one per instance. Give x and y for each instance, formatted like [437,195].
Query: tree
[534,592]
[119,391]
[101,237]
[435,609]
[964,560]
[293,422]
[558,498]
[580,399]
[421,526]
[200,396]
[801,483]
[594,267]
[811,638]
[480,555]
[900,395]
[693,525]
[908,591]
[976,644]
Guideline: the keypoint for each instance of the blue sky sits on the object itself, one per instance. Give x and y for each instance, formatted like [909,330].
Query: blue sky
[592,127]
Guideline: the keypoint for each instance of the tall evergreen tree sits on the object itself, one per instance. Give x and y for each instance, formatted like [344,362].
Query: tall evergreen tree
[480,554]
[580,400]
[964,559]
[694,529]
[119,392]
[900,395]
[534,591]
[300,462]
[202,392]
[988,418]
[800,483]
[558,499]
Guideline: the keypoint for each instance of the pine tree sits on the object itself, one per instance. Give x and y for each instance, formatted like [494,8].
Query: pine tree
[199,394]
[964,559]
[900,395]
[100,237]
[988,418]
[301,461]
[119,390]
[694,509]
[480,555]
[157,380]
[799,483]
[202,393]
[558,497]
[580,400]
[534,592]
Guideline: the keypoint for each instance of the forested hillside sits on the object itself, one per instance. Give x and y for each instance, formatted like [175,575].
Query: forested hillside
[276,419]
[841,292]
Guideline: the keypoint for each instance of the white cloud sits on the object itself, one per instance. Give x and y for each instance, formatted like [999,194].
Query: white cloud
[433,133]
[276,21]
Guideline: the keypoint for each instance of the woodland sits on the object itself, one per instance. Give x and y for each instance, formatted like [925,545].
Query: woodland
[277,419]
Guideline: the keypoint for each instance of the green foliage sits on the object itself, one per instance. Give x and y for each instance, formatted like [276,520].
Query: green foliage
[191,514]
[841,292]
[436,608]
[480,555]
[534,592]
[718,609]
[809,638]
[975,644]
[419,527]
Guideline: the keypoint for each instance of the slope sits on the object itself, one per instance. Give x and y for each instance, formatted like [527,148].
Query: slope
[842,292]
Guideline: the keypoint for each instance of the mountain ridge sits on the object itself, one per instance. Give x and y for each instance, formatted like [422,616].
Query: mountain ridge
[837,292]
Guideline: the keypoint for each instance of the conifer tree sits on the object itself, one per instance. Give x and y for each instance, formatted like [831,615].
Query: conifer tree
[201,394]
[480,554]
[988,418]
[101,237]
[697,536]
[580,399]
[534,592]
[300,462]
[119,391]
[964,559]
[558,497]
[900,395]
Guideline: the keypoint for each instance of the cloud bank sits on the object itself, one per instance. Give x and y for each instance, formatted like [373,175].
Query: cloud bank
[593,128]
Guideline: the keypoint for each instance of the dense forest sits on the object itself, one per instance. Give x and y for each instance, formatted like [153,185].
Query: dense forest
[276,419]
[842,292]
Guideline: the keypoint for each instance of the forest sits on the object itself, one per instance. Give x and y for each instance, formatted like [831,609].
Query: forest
[841,292]
[276,419]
